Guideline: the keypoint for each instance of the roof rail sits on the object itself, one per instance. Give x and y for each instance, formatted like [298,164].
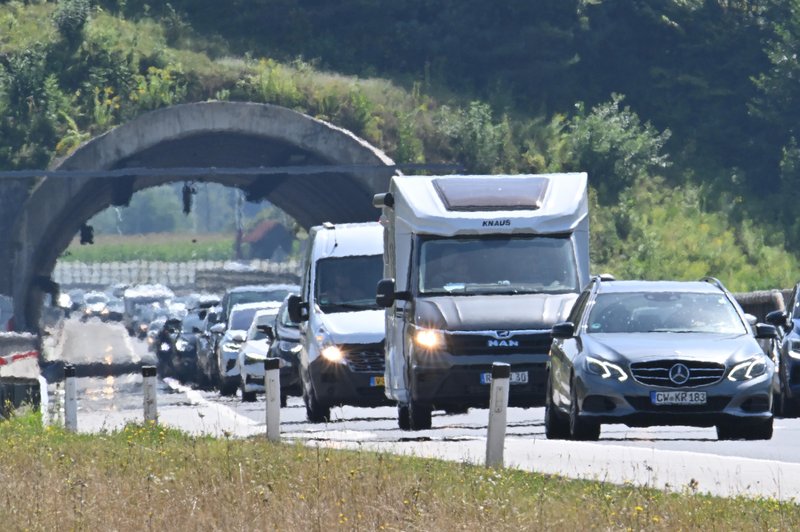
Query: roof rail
[713,280]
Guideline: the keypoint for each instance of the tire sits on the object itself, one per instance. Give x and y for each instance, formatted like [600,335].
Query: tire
[403,419]
[580,428]
[744,430]
[419,416]
[315,411]
[556,427]
[283,400]
[247,397]
[228,387]
[456,410]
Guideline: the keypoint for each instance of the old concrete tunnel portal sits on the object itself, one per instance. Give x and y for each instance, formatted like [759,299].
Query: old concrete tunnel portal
[211,134]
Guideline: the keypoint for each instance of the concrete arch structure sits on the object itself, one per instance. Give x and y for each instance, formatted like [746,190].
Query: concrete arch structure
[210,134]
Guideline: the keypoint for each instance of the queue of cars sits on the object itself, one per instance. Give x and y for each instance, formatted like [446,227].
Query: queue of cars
[472,270]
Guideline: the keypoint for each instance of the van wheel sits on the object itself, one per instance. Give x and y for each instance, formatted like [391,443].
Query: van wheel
[315,411]
[419,416]
[403,418]
[247,397]
[227,387]
[580,428]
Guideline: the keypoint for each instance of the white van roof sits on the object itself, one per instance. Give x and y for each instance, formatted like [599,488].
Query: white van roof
[347,240]
[476,204]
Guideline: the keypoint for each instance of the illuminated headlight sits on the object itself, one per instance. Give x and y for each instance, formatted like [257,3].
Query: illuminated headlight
[164,346]
[749,369]
[605,369]
[143,326]
[87,310]
[253,358]
[181,344]
[105,311]
[428,339]
[332,354]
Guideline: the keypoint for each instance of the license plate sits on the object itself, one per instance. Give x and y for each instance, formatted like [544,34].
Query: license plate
[516,377]
[377,381]
[678,398]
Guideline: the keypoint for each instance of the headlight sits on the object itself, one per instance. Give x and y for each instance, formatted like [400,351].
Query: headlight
[231,346]
[332,353]
[253,358]
[605,369]
[164,346]
[428,339]
[104,312]
[143,327]
[296,349]
[749,369]
[181,344]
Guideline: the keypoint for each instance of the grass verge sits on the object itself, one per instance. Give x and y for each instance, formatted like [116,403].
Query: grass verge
[154,478]
[167,247]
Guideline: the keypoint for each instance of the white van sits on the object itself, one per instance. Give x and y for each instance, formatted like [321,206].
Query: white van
[478,269]
[341,327]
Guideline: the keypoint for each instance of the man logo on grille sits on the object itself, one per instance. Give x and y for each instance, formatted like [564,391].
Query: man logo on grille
[679,374]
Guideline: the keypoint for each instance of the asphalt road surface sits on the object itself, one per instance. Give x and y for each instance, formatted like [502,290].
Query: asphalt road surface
[676,458]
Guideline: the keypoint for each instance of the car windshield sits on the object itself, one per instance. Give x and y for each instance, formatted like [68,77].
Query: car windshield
[242,318]
[257,296]
[677,312]
[95,298]
[348,283]
[497,265]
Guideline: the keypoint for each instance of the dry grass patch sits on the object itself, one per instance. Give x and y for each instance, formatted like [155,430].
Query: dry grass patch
[149,477]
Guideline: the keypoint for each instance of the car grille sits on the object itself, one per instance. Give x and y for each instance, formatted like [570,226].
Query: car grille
[656,373]
[364,358]
[487,344]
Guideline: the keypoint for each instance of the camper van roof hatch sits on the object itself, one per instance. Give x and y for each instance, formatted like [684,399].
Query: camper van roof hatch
[505,194]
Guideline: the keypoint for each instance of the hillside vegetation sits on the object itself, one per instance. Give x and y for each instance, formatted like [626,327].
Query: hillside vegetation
[683,112]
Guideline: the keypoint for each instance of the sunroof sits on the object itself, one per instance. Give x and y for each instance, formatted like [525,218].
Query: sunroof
[498,193]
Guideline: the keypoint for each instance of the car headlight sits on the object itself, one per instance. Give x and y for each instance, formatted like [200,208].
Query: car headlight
[749,369]
[104,312]
[327,347]
[332,353]
[253,358]
[606,369]
[429,339]
[296,349]
[181,344]
[142,327]
[164,346]
[231,345]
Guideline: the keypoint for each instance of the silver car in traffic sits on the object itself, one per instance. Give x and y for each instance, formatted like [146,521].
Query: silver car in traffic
[649,353]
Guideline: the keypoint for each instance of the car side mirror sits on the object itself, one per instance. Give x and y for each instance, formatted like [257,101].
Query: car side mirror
[218,328]
[386,294]
[779,318]
[267,330]
[563,330]
[298,310]
[764,330]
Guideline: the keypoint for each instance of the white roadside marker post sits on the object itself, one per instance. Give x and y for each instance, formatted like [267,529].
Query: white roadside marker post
[70,399]
[272,389]
[498,405]
[149,385]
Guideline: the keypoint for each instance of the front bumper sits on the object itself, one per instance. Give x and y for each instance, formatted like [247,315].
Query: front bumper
[630,402]
[335,383]
[443,379]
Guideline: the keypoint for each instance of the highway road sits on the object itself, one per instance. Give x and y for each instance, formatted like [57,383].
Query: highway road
[676,458]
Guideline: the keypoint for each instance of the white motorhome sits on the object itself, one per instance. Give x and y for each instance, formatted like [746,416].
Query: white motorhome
[477,270]
[341,327]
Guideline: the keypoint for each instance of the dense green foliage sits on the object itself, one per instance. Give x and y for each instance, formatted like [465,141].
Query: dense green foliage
[683,112]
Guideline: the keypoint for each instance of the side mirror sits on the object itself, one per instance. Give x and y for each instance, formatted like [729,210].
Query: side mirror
[298,311]
[267,329]
[218,328]
[764,331]
[384,297]
[563,330]
[778,318]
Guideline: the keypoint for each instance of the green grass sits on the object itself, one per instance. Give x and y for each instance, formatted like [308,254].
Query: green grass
[167,247]
[150,477]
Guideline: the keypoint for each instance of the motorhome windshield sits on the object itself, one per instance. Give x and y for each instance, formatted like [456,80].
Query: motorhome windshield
[497,265]
[345,284]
